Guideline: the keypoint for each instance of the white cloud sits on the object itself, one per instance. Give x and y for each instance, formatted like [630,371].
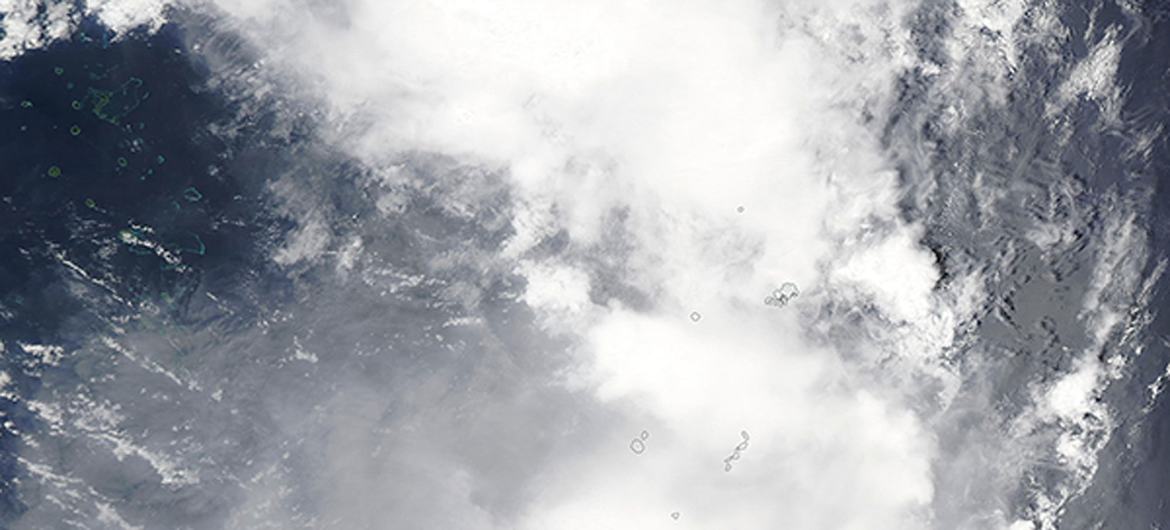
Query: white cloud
[1094,78]
[309,241]
[897,274]
[24,27]
[124,15]
[33,24]
[822,454]
[560,292]
[675,114]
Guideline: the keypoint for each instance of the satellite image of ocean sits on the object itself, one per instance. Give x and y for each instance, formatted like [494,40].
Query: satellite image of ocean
[584,264]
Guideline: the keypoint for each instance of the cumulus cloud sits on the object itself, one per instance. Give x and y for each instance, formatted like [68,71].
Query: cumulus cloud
[32,24]
[29,24]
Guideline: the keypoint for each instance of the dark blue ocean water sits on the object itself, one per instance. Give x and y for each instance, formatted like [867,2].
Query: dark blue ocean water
[101,140]
[1130,488]
[155,221]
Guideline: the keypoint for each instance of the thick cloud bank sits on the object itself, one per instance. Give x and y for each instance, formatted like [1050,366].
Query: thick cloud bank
[710,152]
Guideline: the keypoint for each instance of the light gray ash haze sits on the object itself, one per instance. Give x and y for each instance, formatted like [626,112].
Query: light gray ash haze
[584,265]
